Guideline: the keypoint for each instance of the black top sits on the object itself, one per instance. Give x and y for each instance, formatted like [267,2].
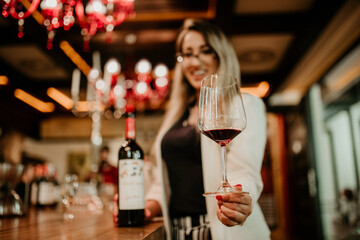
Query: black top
[182,154]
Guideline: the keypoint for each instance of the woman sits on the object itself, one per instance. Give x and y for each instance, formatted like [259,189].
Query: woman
[189,163]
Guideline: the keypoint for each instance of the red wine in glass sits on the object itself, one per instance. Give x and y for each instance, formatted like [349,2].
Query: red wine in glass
[221,117]
[222,136]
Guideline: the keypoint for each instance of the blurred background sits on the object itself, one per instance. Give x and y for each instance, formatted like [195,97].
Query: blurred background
[301,56]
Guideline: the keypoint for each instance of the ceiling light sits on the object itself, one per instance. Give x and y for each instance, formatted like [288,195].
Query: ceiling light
[75,83]
[98,14]
[161,70]
[130,39]
[44,107]
[261,90]
[113,66]
[286,98]
[4,80]
[161,82]
[143,66]
[75,57]
[83,106]
[60,97]
[100,84]
[141,88]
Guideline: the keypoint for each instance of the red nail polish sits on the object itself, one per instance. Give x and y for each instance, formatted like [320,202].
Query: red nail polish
[238,185]
[218,197]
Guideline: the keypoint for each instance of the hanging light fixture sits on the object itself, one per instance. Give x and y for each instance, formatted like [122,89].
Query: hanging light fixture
[17,10]
[102,15]
[109,91]
[98,15]
[151,86]
[105,91]
[57,14]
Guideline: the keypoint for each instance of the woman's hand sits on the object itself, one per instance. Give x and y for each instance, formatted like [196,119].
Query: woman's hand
[115,209]
[234,208]
[152,209]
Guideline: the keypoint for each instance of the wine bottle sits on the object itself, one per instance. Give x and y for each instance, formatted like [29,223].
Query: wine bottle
[55,186]
[45,189]
[131,178]
[34,187]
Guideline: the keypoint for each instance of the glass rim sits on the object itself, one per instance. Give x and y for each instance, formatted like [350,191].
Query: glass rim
[215,76]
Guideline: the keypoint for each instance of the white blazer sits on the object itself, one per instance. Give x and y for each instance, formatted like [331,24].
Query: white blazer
[244,160]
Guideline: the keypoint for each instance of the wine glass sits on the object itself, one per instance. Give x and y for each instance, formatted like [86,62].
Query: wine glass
[221,117]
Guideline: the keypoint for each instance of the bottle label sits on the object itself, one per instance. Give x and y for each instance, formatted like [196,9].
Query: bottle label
[131,184]
[130,128]
[46,193]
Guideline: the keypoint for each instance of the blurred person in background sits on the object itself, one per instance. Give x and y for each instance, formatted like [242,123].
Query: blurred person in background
[107,171]
[11,147]
[107,177]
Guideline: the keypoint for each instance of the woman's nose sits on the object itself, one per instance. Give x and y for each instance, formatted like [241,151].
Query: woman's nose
[195,60]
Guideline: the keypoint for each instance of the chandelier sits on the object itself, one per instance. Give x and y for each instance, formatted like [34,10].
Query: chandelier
[102,15]
[110,92]
[18,10]
[57,14]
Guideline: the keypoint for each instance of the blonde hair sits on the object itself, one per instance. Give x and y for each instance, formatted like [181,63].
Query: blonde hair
[182,93]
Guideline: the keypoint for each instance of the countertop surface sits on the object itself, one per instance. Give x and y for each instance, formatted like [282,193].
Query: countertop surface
[48,224]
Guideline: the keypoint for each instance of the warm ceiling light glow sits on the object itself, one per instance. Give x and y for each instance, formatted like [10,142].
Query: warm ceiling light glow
[112,66]
[260,90]
[95,6]
[60,97]
[143,66]
[119,91]
[288,97]
[4,80]
[36,14]
[161,82]
[84,106]
[93,75]
[45,107]
[141,88]
[100,84]
[75,57]
[161,70]
[48,4]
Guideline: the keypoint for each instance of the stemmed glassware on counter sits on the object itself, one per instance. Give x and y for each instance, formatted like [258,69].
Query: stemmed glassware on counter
[79,198]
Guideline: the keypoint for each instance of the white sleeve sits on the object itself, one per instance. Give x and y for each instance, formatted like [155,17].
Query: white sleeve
[246,151]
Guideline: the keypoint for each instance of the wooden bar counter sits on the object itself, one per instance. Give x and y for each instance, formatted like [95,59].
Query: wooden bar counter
[47,224]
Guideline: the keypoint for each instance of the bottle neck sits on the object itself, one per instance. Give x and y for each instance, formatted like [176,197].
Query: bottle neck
[130,127]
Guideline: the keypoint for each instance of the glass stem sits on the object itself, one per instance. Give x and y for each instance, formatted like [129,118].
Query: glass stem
[223,162]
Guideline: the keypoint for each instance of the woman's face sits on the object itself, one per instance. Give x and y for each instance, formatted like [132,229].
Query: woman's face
[199,60]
